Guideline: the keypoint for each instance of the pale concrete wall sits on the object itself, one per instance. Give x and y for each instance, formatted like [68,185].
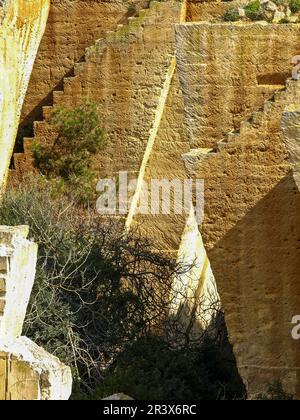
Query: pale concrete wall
[21,30]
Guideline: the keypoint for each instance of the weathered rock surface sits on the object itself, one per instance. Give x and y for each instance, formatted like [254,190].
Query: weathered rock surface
[209,10]
[21,30]
[214,108]
[17,272]
[125,73]
[251,228]
[290,124]
[227,71]
[27,372]
[73,25]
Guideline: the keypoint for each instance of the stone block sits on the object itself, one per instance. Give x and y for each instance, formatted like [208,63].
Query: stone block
[18,47]
[28,372]
[2,286]
[2,306]
[18,275]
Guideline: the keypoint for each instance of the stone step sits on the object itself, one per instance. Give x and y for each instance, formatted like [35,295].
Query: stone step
[68,81]
[245,127]
[222,144]
[57,96]
[47,111]
[233,136]
[28,142]
[78,67]
[39,127]
[19,161]
[99,43]
[257,118]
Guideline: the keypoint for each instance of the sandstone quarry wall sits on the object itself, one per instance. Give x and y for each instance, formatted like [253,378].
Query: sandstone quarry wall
[125,73]
[73,25]
[251,227]
[291,134]
[199,10]
[228,77]
[165,163]
[227,71]
[22,26]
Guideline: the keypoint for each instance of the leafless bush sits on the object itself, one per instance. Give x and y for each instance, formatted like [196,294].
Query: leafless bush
[96,288]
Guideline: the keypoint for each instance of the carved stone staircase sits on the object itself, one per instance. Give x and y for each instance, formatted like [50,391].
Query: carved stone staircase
[23,163]
[259,119]
[253,127]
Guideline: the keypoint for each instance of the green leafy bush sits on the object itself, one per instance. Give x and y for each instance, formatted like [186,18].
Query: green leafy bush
[231,15]
[69,158]
[253,11]
[294,6]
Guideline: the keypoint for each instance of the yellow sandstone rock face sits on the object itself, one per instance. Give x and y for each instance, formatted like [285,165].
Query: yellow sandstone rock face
[199,10]
[219,111]
[251,227]
[21,29]
[290,124]
[228,71]
[126,73]
[73,25]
